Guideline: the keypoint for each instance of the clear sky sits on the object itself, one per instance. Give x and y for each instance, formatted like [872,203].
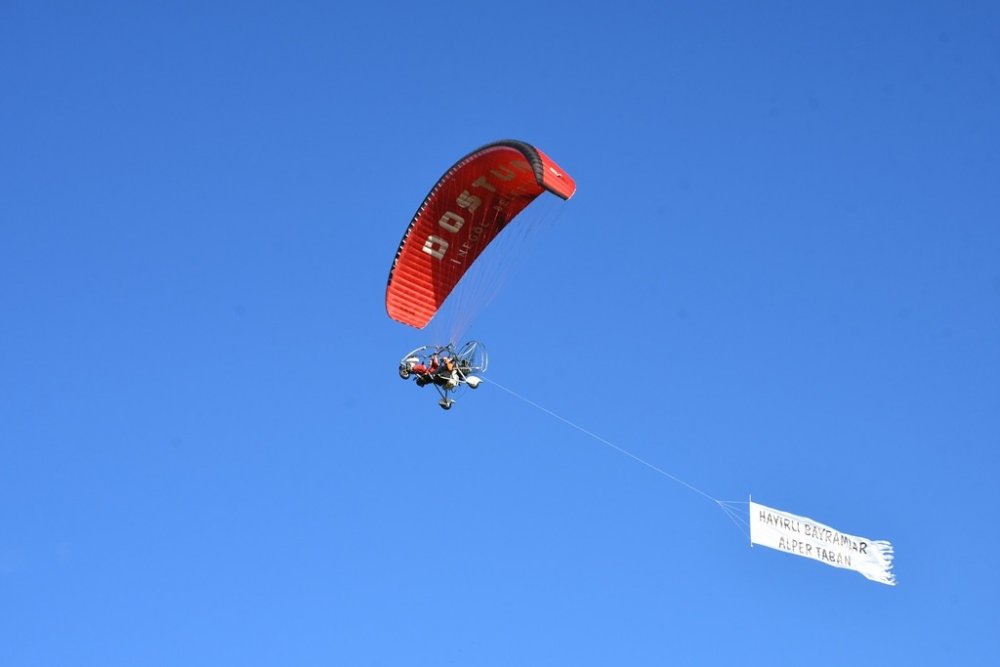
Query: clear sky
[780,276]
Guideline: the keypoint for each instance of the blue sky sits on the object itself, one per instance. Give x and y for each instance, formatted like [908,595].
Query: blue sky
[779,276]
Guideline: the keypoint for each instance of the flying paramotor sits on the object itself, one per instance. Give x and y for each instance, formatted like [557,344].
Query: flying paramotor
[463,213]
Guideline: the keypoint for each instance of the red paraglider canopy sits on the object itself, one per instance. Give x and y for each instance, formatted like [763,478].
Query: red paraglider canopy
[463,213]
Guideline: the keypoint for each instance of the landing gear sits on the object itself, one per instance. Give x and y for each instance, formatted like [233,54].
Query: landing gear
[446,403]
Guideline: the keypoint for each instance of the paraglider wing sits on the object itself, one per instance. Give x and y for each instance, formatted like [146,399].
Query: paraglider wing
[463,213]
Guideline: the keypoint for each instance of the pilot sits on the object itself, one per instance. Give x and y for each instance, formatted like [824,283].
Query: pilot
[447,375]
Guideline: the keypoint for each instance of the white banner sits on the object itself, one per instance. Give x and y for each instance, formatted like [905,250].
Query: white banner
[804,537]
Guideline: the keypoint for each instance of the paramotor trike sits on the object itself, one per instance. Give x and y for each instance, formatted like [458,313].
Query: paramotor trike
[446,368]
